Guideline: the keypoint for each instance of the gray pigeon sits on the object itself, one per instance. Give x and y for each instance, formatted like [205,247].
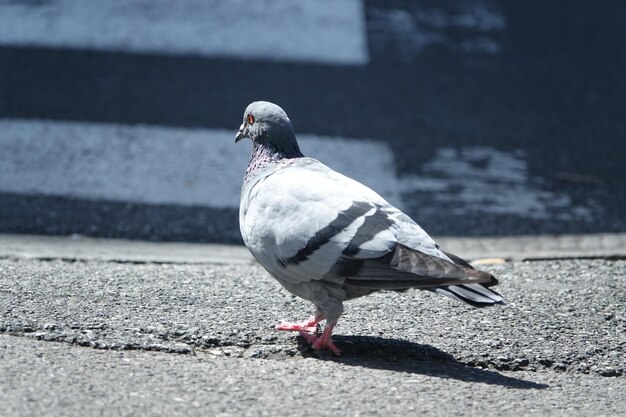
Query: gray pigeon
[328,238]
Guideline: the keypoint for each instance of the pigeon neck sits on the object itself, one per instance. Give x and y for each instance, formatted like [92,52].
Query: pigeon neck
[264,155]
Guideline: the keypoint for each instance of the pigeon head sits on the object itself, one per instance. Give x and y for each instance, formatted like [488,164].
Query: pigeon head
[267,125]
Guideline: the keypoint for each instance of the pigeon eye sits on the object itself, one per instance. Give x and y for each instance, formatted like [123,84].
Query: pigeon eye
[250,119]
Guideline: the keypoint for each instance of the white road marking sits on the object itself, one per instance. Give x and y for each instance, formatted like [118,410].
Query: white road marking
[324,31]
[204,167]
[487,180]
[149,164]
[467,27]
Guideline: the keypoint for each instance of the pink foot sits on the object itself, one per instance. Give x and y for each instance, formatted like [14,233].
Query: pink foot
[309,326]
[322,342]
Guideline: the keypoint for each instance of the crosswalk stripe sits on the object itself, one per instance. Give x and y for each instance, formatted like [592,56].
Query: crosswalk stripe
[286,30]
[159,165]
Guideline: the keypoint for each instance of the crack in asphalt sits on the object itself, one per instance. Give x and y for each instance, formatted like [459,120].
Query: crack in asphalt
[354,348]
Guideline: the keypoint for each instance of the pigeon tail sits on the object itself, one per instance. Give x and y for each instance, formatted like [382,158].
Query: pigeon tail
[476,295]
[405,267]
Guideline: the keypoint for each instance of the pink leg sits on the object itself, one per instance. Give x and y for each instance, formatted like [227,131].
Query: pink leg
[324,341]
[309,325]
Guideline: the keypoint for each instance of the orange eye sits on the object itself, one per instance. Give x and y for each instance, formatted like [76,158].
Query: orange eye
[250,119]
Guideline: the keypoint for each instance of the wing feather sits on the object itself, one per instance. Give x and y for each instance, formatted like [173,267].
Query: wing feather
[409,268]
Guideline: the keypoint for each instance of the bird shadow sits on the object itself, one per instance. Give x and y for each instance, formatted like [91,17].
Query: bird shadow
[408,357]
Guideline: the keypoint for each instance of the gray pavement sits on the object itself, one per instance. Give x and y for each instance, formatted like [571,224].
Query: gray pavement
[116,335]
[51,379]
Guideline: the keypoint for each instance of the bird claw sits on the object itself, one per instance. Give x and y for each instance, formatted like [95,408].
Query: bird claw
[310,326]
[310,331]
[323,342]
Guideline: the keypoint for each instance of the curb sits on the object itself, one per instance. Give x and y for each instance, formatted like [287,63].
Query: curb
[82,248]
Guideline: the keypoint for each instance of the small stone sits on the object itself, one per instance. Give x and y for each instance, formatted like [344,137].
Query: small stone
[608,371]
[522,362]
[216,352]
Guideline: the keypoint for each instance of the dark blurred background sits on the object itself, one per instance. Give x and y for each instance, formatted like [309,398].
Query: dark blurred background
[477,117]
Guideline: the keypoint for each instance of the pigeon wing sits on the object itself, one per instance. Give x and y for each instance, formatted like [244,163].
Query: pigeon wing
[298,220]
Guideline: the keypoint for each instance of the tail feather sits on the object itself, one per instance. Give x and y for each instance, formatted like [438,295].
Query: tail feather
[405,268]
[475,295]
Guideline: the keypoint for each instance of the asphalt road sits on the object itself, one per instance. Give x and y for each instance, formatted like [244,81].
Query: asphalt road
[41,378]
[120,338]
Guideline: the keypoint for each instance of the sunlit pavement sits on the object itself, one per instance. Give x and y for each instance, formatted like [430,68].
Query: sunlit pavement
[106,327]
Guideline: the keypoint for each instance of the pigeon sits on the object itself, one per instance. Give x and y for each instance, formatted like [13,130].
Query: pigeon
[328,238]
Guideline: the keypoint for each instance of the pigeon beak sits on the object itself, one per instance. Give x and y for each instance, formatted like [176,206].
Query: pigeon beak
[240,133]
